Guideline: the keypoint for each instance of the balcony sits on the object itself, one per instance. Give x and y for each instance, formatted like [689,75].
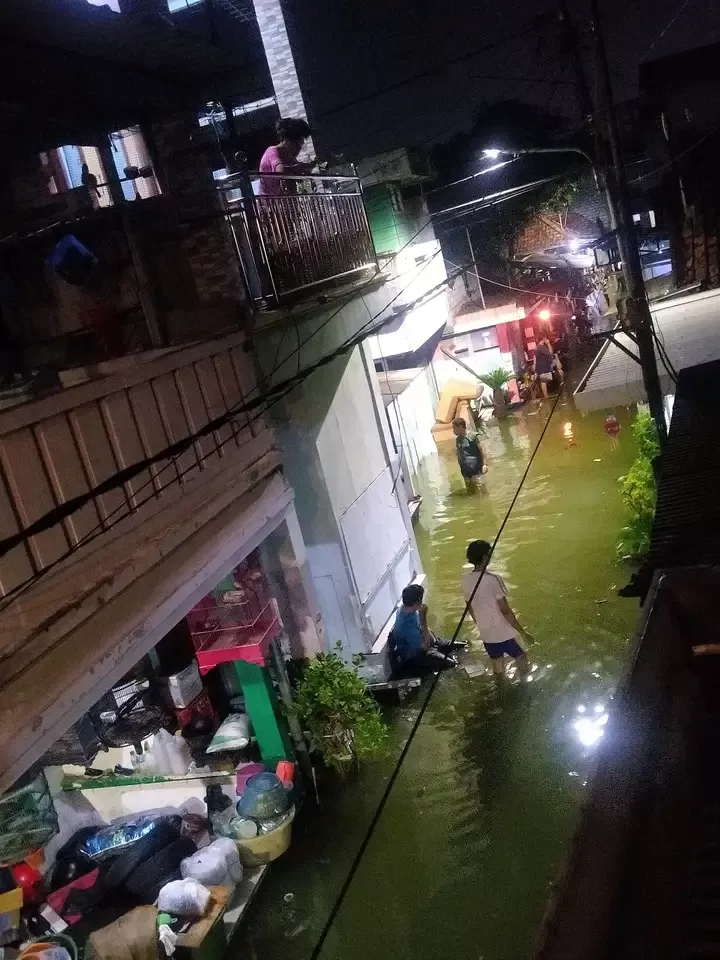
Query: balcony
[312,234]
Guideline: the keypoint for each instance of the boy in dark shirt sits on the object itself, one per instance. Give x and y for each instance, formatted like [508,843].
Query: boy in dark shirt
[469,454]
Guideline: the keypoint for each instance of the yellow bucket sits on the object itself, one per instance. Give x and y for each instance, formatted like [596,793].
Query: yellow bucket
[266,847]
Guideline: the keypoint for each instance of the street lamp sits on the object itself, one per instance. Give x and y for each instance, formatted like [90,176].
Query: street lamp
[495,152]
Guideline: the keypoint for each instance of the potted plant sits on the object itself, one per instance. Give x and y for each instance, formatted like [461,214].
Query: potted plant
[336,711]
[496,380]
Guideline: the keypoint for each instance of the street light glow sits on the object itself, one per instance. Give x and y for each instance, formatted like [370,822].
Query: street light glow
[544,314]
[492,154]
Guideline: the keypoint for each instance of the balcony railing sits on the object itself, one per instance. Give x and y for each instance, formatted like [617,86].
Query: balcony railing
[63,446]
[315,231]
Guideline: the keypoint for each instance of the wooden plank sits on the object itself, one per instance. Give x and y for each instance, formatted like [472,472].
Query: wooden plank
[32,493]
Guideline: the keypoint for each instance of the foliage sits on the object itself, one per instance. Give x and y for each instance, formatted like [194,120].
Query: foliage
[338,713]
[645,435]
[496,379]
[638,491]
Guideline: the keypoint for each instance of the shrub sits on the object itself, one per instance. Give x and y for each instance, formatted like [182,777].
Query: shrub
[340,716]
[638,491]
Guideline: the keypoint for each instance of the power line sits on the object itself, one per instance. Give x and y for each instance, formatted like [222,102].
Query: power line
[421,713]
[527,28]
[666,166]
[274,394]
[665,29]
[103,527]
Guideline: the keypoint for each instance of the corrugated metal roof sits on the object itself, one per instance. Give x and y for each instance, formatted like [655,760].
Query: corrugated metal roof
[690,331]
[686,529]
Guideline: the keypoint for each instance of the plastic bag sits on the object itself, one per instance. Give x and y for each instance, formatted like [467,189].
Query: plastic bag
[232,734]
[217,865]
[120,834]
[184,898]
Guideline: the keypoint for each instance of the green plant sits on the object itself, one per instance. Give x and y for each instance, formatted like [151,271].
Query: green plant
[637,489]
[496,379]
[340,716]
[645,435]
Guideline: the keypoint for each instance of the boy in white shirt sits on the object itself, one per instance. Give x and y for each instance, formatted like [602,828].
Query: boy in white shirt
[499,628]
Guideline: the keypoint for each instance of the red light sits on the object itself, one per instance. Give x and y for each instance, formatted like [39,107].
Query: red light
[544,314]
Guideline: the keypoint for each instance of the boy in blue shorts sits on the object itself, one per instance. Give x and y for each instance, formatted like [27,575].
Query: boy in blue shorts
[499,628]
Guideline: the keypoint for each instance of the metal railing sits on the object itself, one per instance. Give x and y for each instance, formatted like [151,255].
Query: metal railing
[310,232]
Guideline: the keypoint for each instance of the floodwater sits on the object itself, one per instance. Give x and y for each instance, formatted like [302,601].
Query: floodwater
[480,816]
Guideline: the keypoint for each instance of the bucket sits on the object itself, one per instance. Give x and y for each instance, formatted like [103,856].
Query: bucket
[266,847]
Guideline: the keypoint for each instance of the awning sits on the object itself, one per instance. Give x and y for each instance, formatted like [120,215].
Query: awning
[688,328]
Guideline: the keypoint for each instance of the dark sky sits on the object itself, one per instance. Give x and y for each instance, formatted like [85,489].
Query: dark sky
[347,48]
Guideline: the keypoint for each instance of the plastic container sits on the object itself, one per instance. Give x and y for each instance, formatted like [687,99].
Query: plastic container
[182,688]
[244,773]
[267,847]
[10,905]
[264,798]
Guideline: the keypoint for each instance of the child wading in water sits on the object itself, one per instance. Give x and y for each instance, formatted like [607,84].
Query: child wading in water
[499,628]
[469,454]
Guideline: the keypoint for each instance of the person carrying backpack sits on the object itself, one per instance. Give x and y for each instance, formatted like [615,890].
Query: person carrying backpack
[469,454]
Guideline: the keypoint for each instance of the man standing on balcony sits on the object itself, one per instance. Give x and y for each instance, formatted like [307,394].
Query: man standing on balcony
[283,158]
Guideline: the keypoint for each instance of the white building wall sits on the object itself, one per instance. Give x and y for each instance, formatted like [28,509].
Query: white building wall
[360,546]
[412,416]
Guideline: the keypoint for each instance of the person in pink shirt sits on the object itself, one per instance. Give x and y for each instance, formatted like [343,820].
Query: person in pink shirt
[283,157]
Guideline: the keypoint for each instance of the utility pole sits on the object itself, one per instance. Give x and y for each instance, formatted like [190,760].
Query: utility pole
[474,263]
[587,108]
[638,308]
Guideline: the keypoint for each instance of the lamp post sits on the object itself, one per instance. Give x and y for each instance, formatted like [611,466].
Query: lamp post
[639,317]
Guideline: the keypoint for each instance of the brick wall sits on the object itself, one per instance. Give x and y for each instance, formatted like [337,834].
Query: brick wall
[281,62]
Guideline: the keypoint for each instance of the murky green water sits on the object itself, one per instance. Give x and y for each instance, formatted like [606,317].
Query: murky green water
[487,799]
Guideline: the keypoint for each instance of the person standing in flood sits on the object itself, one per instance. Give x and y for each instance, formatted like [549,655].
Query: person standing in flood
[546,361]
[469,453]
[500,630]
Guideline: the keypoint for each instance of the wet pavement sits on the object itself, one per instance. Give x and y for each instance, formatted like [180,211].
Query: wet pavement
[481,814]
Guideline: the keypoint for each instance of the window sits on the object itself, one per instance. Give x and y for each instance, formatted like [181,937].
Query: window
[484,339]
[131,155]
[636,218]
[175,5]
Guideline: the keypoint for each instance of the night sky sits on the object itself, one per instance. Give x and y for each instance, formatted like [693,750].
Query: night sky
[399,38]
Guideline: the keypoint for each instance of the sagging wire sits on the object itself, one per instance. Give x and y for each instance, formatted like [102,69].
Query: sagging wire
[174,451]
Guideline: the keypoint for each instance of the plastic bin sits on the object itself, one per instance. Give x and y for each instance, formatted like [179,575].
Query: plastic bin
[10,905]
[266,847]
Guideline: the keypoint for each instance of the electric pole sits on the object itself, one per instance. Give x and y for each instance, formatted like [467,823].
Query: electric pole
[638,308]
[587,108]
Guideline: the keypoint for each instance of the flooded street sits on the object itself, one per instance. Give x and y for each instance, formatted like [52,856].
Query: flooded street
[485,804]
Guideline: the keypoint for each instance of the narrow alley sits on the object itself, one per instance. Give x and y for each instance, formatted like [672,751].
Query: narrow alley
[475,828]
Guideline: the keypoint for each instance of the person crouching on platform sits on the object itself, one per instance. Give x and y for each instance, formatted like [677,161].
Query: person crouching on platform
[413,649]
